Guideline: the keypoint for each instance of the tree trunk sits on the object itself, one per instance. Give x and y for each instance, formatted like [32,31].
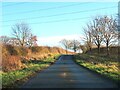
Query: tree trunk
[74,50]
[107,49]
[98,48]
[22,44]
[90,50]
[66,51]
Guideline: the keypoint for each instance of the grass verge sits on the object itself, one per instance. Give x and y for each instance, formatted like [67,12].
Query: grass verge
[16,78]
[104,66]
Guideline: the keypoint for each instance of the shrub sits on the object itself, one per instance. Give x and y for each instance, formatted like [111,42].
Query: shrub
[14,57]
[22,51]
[113,50]
[11,50]
[35,49]
[44,50]
[10,63]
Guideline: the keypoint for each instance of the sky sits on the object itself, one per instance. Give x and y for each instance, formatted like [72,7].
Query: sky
[53,21]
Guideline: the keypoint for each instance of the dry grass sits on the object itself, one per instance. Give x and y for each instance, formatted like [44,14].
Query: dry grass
[99,63]
[12,57]
[11,63]
[102,63]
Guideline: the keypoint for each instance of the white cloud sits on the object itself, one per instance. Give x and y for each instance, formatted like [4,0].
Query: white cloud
[54,40]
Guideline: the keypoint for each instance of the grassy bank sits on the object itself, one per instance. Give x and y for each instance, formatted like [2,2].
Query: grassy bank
[14,56]
[100,64]
[17,77]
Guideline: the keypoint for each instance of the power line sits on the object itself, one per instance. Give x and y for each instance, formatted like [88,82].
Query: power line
[61,20]
[43,9]
[13,4]
[56,21]
[61,14]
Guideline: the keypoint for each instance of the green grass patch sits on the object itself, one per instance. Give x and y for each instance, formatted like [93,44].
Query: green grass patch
[14,78]
[104,66]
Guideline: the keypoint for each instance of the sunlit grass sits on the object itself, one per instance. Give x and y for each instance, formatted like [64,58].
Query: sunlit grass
[14,78]
[104,66]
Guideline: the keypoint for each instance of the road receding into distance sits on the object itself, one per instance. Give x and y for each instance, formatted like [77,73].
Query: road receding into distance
[65,73]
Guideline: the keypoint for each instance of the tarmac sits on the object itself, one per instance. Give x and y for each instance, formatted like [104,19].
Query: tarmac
[65,73]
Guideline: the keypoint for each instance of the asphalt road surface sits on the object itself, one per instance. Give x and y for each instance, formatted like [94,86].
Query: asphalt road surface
[65,73]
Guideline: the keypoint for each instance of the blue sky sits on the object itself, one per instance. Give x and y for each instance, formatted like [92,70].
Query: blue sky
[42,17]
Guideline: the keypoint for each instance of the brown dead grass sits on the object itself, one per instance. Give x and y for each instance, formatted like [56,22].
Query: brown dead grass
[12,57]
[11,63]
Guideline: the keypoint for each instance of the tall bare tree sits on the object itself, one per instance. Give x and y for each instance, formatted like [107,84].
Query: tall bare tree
[88,37]
[101,29]
[21,31]
[66,44]
[118,24]
[109,26]
[97,32]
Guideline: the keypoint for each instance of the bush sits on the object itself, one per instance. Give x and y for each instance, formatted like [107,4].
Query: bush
[35,49]
[11,50]
[10,63]
[10,59]
[14,57]
[113,50]
[23,51]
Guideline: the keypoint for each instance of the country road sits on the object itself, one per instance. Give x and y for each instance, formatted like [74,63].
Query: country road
[65,73]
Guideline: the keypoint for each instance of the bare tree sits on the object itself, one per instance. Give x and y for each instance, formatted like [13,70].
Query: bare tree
[74,45]
[32,41]
[97,32]
[101,29]
[21,31]
[88,37]
[66,44]
[118,24]
[83,48]
[109,26]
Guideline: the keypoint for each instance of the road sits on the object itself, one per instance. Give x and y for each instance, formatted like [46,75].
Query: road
[65,73]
